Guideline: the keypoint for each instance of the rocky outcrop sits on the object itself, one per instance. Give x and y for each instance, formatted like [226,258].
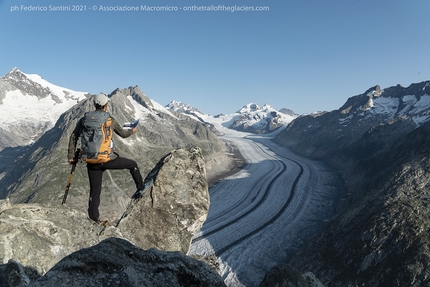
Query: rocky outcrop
[176,203]
[173,208]
[116,262]
[286,275]
[38,237]
[21,82]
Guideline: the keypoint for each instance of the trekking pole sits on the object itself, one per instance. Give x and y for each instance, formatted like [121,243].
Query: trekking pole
[135,198]
[77,153]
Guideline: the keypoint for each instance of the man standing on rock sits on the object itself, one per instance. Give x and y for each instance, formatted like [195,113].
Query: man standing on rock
[95,130]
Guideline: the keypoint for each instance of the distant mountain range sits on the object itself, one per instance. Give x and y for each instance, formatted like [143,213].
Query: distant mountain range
[402,109]
[250,118]
[31,106]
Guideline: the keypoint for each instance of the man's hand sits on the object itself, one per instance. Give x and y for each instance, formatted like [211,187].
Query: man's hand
[75,160]
[134,130]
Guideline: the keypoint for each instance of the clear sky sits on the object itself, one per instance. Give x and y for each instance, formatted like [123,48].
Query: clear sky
[298,54]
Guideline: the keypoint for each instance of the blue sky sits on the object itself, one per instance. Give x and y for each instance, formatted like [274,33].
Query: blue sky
[302,55]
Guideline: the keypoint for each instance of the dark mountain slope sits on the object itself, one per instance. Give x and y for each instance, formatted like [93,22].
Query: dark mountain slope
[380,143]
[381,237]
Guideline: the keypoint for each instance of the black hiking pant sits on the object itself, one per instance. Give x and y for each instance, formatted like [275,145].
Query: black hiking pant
[95,175]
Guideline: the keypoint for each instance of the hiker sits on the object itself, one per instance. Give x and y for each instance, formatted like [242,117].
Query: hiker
[95,130]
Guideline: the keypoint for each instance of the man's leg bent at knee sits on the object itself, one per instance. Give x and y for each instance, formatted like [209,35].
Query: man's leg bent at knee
[131,165]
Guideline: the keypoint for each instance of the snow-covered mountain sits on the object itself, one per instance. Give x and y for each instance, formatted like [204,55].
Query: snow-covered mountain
[30,106]
[250,118]
[188,110]
[391,103]
[256,119]
[182,108]
[377,115]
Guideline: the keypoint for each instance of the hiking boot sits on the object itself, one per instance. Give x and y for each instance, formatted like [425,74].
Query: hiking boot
[97,224]
[141,192]
[105,222]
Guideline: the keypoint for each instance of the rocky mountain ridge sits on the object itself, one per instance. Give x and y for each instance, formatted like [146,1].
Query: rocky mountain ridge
[329,133]
[256,119]
[379,142]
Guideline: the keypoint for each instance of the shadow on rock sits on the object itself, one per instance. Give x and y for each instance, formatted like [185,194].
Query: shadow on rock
[117,262]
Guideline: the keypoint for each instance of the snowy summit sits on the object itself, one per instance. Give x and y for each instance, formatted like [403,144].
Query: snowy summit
[32,104]
[41,100]
[250,118]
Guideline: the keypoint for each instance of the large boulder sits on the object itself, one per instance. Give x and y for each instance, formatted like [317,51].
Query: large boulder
[175,205]
[116,262]
[39,237]
[287,276]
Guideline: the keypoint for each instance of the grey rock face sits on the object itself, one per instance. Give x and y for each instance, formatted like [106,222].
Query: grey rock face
[284,275]
[381,236]
[287,276]
[137,94]
[288,112]
[116,262]
[39,237]
[176,205]
[17,79]
[267,124]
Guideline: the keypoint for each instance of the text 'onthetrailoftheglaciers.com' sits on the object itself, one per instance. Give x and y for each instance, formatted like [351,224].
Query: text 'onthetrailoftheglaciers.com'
[140,8]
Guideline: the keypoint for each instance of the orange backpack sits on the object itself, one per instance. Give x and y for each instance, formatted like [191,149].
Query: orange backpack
[96,138]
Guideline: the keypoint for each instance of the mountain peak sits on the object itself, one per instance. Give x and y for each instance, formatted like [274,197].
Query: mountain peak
[14,75]
[249,108]
[181,107]
[14,70]
[252,108]
[35,85]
